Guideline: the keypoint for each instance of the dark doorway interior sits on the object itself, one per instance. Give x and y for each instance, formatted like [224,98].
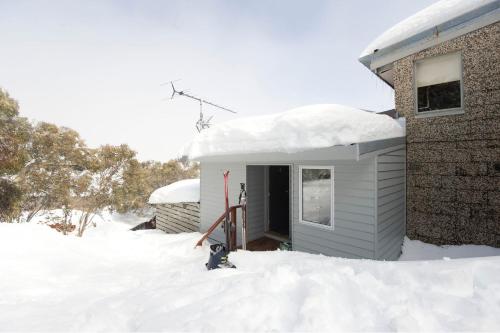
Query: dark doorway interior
[279,199]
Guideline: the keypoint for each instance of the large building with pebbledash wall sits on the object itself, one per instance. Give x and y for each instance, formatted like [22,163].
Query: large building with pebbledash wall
[444,66]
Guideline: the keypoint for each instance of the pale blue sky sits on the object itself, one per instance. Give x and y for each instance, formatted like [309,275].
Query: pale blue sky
[97,66]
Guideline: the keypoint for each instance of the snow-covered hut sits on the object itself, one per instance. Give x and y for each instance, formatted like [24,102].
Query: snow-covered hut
[328,178]
[177,206]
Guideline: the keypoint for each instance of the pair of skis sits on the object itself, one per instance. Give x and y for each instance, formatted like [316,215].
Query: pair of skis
[219,252]
[228,226]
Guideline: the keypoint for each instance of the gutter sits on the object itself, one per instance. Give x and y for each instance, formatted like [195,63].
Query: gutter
[460,25]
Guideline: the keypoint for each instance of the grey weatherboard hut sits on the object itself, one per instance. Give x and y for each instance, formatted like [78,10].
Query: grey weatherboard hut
[367,191]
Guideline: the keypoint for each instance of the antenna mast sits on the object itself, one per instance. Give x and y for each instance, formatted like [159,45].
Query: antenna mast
[201,124]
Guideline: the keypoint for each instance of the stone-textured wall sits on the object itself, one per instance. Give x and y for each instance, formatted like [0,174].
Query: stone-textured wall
[453,162]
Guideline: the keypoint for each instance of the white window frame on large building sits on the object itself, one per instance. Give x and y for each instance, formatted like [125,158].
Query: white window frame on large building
[434,66]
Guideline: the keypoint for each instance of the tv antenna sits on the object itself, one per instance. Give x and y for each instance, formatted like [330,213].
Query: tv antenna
[201,124]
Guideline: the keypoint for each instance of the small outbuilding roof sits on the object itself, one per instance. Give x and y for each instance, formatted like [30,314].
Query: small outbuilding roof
[187,190]
[297,130]
[443,20]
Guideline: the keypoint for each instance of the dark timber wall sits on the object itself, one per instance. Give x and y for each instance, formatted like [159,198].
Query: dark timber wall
[179,217]
[453,162]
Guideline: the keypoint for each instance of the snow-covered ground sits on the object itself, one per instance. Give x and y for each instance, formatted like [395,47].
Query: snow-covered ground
[124,221]
[113,279]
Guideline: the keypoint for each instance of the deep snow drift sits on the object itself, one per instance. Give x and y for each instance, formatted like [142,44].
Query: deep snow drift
[187,190]
[437,13]
[113,279]
[308,127]
[417,250]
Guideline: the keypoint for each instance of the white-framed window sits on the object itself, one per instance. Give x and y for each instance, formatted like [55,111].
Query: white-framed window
[438,84]
[316,185]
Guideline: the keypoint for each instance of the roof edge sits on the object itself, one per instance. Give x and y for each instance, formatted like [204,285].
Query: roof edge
[366,149]
[355,152]
[460,25]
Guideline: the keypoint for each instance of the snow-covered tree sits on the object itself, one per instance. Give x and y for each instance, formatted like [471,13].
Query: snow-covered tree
[14,137]
[56,158]
[94,190]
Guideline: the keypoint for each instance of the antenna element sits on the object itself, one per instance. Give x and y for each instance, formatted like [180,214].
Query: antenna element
[201,124]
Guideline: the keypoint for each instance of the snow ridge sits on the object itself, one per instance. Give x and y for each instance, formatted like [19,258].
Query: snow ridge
[187,190]
[300,129]
[434,15]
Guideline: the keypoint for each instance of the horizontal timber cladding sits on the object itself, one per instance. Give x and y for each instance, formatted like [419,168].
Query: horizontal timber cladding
[354,212]
[178,217]
[212,195]
[369,207]
[391,197]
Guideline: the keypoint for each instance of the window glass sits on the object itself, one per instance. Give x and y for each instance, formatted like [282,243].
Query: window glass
[317,196]
[438,83]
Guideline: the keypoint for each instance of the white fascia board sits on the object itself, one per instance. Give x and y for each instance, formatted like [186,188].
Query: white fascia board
[320,154]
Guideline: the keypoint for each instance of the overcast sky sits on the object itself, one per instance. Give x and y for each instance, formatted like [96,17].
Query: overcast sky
[97,66]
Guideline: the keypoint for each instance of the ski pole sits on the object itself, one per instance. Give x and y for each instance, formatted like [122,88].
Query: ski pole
[243,203]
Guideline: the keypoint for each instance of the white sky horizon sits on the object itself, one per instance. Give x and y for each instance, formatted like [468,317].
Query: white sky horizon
[98,66]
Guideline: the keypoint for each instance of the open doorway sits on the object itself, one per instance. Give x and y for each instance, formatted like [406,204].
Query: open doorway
[279,201]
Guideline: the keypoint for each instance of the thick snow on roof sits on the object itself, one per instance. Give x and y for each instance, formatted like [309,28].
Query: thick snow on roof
[300,129]
[438,13]
[187,190]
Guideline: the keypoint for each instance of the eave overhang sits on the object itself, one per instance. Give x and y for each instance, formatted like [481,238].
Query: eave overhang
[381,59]
[354,152]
